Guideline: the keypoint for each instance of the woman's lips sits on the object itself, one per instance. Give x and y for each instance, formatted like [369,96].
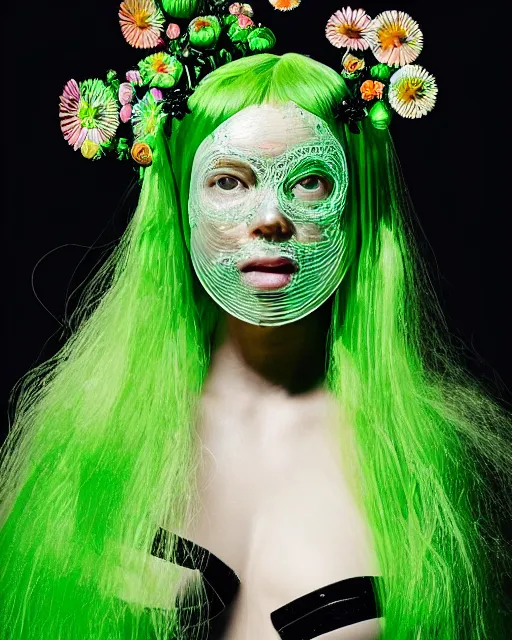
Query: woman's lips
[267,273]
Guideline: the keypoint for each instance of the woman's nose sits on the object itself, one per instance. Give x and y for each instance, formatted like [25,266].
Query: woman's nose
[271,225]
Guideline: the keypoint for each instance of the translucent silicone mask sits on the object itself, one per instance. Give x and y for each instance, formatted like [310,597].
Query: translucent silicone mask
[268,183]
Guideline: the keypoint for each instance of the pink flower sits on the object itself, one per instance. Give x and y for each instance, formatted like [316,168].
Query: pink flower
[349,28]
[68,112]
[173,31]
[126,113]
[157,94]
[241,8]
[134,76]
[141,23]
[244,21]
[125,93]
[88,111]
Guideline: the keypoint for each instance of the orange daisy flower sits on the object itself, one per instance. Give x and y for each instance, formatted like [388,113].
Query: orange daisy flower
[284,5]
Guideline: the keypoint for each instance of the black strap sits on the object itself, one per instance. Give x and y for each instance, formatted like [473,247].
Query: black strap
[220,581]
[332,607]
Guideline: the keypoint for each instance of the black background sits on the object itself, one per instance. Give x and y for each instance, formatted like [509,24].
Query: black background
[64,212]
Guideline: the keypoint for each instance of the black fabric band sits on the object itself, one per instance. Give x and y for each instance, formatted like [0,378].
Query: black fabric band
[332,607]
[220,582]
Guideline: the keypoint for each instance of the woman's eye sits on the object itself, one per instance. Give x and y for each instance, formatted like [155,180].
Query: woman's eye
[227,183]
[311,183]
[312,188]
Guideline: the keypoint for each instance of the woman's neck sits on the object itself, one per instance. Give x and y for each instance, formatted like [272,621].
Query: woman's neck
[292,356]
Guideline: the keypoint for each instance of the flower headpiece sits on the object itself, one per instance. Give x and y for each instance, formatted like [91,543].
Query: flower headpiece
[374,48]
[191,38]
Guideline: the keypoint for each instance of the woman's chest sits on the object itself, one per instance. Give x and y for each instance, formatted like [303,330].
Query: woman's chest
[276,506]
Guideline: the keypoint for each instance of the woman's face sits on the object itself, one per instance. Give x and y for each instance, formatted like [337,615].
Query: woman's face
[268,234]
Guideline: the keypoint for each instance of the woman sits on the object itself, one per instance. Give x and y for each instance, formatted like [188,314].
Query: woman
[301,439]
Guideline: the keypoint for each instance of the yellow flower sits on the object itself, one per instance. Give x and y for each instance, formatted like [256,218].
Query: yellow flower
[89,149]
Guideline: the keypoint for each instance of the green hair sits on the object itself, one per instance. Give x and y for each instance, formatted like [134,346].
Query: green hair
[101,451]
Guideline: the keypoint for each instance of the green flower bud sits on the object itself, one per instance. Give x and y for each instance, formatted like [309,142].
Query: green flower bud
[160,70]
[261,39]
[380,115]
[204,31]
[237,33]
[181,8]
[161,81]
[381,72]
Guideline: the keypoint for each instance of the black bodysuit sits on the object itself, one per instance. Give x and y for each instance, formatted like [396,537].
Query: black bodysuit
[332,607]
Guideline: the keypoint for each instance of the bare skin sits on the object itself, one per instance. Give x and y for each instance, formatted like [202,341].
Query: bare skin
[276,503]
[291,356]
